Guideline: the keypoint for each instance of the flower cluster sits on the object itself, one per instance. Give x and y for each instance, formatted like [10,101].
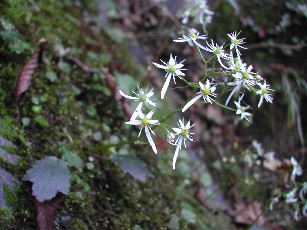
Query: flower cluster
[240,79]
[296,196]
[198,11]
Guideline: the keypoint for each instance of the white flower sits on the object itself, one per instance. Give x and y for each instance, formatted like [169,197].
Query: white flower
[236,42]
[217,51]
[206,91]
[242,109]
[143,97]
[144,122]
[290,196]
[199,11]
[304,210]
[172,69]
[183,135]
[192,39]
[297,169]
[243,78]
[264,93]
[303,192]
[274,201]
[235,64]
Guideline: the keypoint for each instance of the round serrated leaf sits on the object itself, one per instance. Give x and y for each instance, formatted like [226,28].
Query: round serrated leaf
[132,165]
[49,176]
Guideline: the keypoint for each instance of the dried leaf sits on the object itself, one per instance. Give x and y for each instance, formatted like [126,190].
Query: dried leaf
[46,212]
[132,165]
[25,76]
[248,213]
[49,176]
[82,65]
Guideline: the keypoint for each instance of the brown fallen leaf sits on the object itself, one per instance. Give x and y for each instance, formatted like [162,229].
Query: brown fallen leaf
[25,76]
[46,212]
[248,213]
[83,66]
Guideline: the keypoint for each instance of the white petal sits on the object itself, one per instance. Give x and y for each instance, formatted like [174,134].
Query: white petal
[179,66]
[150,102]
[182,40]
[201,85]
[176,152]
[160,66]
[177,131]
[237,104]
[188,125]
[127,96]
[141,115]
[135,122]
[151,142]
[165,86]
[178,72]
[171,60]
[149,94]
[149,115]
[260,101]
[136,112]
[191,102]
[181,124]
[152,122]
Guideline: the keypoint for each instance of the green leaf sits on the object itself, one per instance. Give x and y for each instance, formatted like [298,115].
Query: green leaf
[132,165]
[41,121]
[49,176]
[72,159]
[125,82]
[188,213]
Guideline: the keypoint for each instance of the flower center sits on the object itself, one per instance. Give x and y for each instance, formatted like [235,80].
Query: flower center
[144,122]
[206,92]
[243,109]
[217,51]
[172,69]
[237,67]
[236,41]
[264,91]
[184,133]
[143,97]
[193,35]
[245,75]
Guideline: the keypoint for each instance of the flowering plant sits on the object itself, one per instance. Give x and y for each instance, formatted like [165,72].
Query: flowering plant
[239,80]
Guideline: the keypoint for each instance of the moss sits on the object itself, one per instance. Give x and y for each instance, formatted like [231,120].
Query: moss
[76,105]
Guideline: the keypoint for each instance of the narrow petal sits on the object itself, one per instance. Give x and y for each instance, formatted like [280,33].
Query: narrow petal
[149,94]
[150,102]
[151,142]
[165,86]
[178,72]
[179,66]
[127,96]
[136,112]
[134,122]
[176,152]
[201,85]
[181,124]
[152,122]
[177,130]
[171,60]
[260,101]
[149,115]
[191,102]
[182,40]
[141,115]
[160,66]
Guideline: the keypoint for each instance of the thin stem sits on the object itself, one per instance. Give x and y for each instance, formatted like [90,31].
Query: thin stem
[224,106]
